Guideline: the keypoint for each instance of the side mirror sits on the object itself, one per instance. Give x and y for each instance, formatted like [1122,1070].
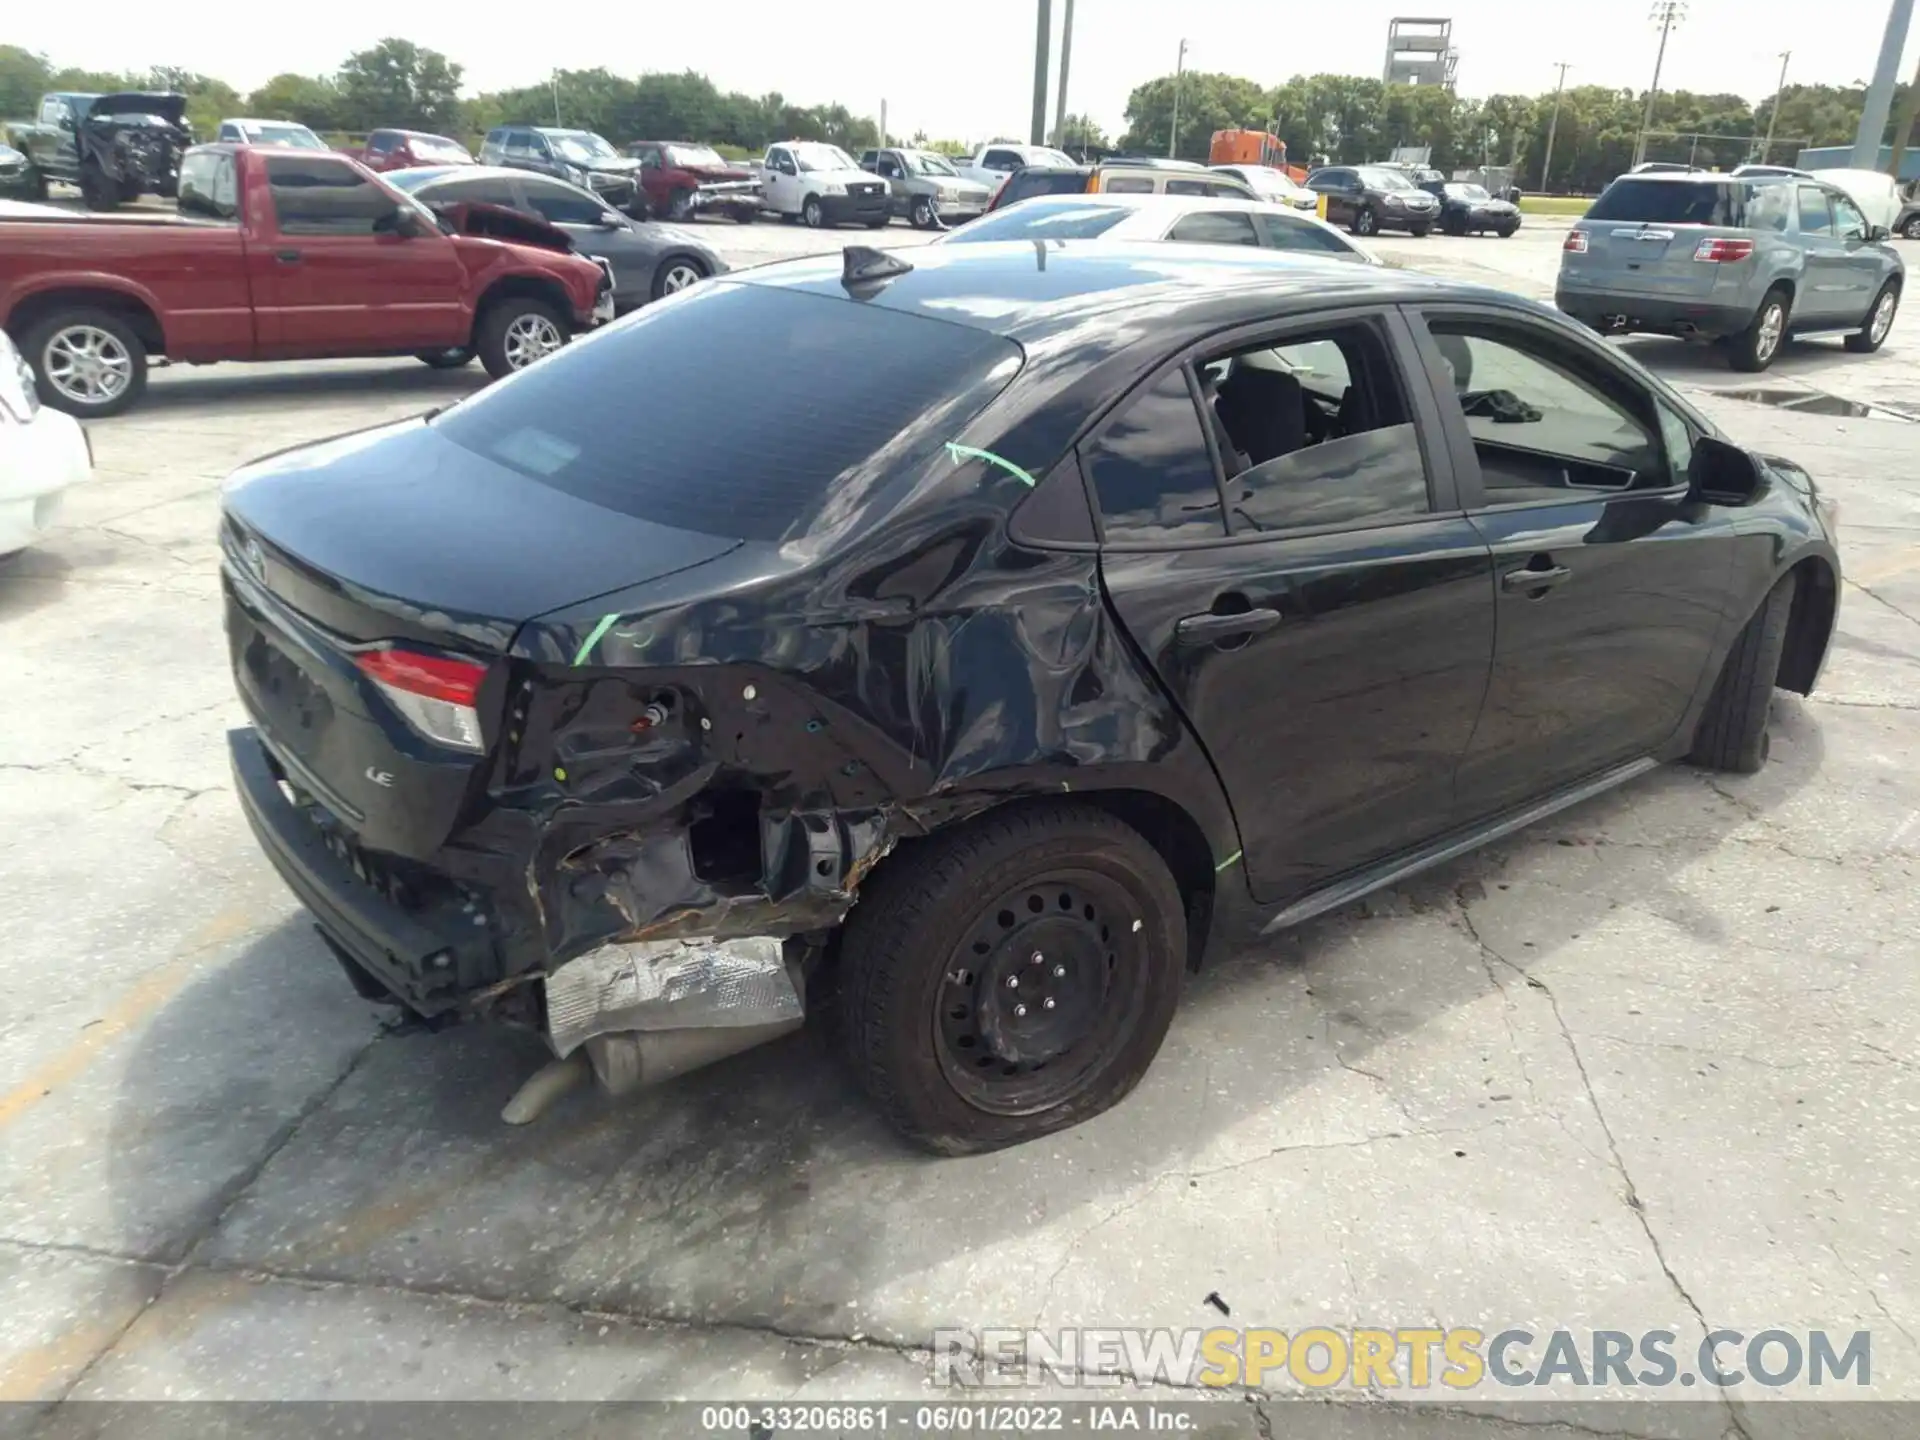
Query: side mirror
[399,221]
[611,221]
[1723,474]
[1878,233]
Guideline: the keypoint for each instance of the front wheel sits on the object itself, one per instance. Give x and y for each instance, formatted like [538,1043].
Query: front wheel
[922,216]
[1755,347]
[1365,222]
[98,192]
[1420,232]
[1061,941]
[517,331]
[1911,229]
[676,275]
[680,205]
[1507,231]
[1733,728]
[1873,334]
[87,362]
[813,213]
[746,215]
[451,359]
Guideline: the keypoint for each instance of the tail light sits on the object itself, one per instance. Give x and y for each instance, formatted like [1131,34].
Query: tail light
[1575,243]
[1720,251]
[433,693]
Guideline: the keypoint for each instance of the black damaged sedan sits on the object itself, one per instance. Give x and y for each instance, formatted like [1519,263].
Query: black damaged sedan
[1051,619]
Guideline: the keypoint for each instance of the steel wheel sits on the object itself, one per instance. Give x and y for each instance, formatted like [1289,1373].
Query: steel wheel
[87,365]
[679,275]
[1040,992]
[529,338]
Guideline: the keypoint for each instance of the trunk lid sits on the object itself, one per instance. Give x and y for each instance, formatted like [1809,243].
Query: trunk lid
[396,537]
[1641,235]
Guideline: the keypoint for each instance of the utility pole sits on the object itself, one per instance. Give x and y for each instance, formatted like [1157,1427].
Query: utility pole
[1553,125]
[1066,57]
[1873,119]
[1667,14]
[1043,33]
[553,79]
[1173,136]
[883,124]
[1773,119]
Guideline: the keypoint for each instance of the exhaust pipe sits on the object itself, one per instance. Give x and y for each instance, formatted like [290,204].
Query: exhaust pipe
[627,1060]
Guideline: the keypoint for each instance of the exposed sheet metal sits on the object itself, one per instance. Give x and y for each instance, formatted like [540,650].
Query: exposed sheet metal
[670,985]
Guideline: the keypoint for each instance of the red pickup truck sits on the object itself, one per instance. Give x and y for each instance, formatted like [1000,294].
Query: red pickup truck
[280,254]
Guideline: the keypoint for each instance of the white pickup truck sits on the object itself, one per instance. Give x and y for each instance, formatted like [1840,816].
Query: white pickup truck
[819,184]
[991,164]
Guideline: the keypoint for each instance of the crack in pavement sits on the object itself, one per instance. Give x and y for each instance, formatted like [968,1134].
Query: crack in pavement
[1632,1194]
[1876,595]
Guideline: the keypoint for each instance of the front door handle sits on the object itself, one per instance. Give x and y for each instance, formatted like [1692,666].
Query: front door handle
[1212,629]
[1515,581]
[288,257]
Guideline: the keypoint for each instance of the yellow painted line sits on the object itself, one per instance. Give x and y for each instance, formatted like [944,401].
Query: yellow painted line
[138,1004]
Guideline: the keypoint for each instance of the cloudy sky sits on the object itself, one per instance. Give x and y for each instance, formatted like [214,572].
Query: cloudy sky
[965,71]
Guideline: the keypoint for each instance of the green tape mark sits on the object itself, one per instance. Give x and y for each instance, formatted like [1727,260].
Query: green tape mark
[593,638]
[957,453]
[1228,861]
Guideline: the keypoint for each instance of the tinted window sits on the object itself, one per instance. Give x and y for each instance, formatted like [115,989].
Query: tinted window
[1193,187]
[1544,425]
[1286,233]
[1128,185]
[841,393]
[1316,432]
[1672,202]
[492,191]
[207,188]
[563,205]
[1151,469]
[1000,160]
[1029,183]
[1216,227]
[318,196]
[1042,220]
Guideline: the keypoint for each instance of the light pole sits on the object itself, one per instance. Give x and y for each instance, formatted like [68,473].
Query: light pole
[553,79]
[1773,117]
[1667,14]
[1043,33]
[1066,57]
[1553,125]
[1173,137]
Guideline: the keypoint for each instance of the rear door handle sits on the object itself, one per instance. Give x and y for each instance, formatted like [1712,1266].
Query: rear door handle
[288,257]
[1211,629]
[1523,579]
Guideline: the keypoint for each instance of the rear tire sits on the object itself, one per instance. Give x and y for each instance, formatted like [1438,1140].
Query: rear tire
[1759,345]
[1365,222]
[97,192]
[1420,232]
[930,962]
[680,205]
[1911,229]
[513,329]
[1873,334]
[87,362]
[744,216]
[1733,728]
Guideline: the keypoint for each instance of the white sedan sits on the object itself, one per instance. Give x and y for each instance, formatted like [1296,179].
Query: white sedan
[1189,219]
[42,452]
[1270,183]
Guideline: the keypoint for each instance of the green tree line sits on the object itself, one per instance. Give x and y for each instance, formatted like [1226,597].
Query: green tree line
[1345,118]
[1350,119]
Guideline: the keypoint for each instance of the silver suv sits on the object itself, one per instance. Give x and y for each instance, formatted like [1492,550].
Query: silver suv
[1746,261]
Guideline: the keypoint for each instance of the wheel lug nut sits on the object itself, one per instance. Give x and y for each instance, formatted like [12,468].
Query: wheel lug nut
[1013,982]
[1020,1010]
[1048,1004]
[1037,958]
[1058,971]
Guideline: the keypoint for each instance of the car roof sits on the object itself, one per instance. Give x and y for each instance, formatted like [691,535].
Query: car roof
[1031,291]
[249,120]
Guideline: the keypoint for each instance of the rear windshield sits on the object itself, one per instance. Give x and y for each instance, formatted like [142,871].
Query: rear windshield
[1025,184]
[1043,220]
[1672,202]
[820,392]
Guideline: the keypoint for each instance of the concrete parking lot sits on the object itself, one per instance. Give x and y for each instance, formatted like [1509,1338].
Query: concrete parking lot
[1646,1066]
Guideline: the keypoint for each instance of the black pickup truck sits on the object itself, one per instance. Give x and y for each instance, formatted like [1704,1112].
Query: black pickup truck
[114,147]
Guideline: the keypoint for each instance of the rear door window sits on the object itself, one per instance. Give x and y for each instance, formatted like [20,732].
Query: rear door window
[1286,233]
[562,204]
[318,195]
[1639,199]
[1042,220]
[1215,227]
[1128,185]
[1151,470]
[622,420]
[1816,212]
